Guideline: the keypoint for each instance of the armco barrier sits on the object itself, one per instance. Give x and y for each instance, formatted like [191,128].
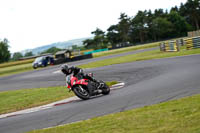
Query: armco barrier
[76,58]
[169,46]
[192,43]
[61,60]
[95,51]
[81,57]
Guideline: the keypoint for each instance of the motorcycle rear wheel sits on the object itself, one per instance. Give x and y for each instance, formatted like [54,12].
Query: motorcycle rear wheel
[106,89]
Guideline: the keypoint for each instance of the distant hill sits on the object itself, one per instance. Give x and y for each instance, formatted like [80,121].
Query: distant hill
[61,45]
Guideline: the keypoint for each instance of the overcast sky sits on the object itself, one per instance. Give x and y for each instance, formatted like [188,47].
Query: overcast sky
[32,23]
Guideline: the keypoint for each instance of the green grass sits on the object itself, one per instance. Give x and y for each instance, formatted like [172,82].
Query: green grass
[25,98]
[178,116]
[110,83]
[5,71]
[15,63]
[127,49]
[154,54]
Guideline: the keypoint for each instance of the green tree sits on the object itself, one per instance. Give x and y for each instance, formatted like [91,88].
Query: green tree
[28,54]
[99,40]
[74,47]
[124,28]
[180,25]
[17,56]
[88,43]
[149,26]
[113,35]
[139,25]
[162,27]
[193,12]
[150,31]
[175,9]
[160,13]
[4,52]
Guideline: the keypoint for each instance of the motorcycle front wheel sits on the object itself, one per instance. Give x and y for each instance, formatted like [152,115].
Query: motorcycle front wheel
[81,92]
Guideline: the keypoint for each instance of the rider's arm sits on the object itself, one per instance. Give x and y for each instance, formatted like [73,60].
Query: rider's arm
[76,70]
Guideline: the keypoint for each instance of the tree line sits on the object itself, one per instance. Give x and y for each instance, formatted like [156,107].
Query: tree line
[5,54]
[149,26]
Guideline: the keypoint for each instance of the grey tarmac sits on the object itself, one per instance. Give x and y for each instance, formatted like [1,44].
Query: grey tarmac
[46,77]
[146,83]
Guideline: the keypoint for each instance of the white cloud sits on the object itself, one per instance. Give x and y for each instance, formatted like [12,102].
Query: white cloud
[31,23]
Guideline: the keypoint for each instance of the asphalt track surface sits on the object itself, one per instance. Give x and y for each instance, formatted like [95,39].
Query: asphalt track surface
[146,82]
[46,76]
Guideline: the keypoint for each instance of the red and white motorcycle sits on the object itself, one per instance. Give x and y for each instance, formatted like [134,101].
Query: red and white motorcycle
[85,88]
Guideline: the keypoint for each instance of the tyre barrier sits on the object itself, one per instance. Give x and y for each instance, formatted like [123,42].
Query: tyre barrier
[180,42]
[169,46]
[192,43]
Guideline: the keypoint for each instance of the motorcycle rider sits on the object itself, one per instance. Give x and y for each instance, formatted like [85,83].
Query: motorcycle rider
[78,73]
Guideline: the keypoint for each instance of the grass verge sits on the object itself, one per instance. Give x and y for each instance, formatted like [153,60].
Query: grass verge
[127,49]
[26,98]
[154,54]
[178,116]
[15,69]
[15,63]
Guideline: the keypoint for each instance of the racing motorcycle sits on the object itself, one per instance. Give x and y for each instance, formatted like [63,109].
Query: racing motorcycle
[84,88]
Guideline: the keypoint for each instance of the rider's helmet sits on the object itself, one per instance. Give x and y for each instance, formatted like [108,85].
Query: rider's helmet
[65,69]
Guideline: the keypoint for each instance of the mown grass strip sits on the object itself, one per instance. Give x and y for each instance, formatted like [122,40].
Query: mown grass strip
[178,116]
[154,54]
[15,69]
[26,98]
[15,63]
[127,49]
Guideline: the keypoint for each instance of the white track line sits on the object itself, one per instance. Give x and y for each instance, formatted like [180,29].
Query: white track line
[58,71]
